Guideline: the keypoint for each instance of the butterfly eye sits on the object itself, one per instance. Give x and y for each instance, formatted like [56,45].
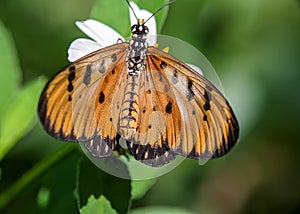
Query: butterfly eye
[134,28]
[146,29]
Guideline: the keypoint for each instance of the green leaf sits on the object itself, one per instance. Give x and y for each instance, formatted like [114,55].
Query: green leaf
[10,73]
[93,181]
[98,206]
[20,115]
[140,187]
[114,13]
[160,210]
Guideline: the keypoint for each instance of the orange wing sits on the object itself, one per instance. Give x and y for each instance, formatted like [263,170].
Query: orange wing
[76,104]
[184,114]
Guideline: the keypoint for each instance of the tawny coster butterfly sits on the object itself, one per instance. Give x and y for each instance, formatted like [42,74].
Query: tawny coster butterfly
[161,106]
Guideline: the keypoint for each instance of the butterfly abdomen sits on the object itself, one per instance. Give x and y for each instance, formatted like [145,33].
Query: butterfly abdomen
[130,108]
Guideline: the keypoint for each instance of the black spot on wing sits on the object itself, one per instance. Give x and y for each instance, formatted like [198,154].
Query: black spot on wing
[160,76]
[71,76]
[72,69]
[102,67]
[163,65]
[207,96]
[101,97]
[87,75]
[169,108]
[206,106]
[190,94]
[174,78]
[114,57]
[70,87]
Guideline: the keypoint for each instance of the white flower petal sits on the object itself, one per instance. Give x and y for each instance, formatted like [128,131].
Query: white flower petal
[151,23]
[82,47]
[195,68]
[99,32]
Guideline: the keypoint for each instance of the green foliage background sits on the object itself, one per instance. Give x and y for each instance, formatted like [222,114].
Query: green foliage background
[254,47]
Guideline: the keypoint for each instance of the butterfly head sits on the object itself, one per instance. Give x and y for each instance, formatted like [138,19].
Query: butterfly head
[140,28]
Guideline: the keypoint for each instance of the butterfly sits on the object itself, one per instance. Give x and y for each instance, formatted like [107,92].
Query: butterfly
[161,106]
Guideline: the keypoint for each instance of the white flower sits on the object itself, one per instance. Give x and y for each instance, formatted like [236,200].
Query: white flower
[102,35]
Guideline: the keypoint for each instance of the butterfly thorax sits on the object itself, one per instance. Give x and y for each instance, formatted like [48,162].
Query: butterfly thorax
[137,51]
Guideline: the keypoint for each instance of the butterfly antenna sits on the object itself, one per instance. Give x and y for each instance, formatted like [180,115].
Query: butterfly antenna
[132,10]
[162,7]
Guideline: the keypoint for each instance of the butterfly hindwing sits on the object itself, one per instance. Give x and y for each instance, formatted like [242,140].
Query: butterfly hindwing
[75,99]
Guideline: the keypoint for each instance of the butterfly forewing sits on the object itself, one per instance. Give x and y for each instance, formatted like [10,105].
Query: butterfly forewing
[75,104]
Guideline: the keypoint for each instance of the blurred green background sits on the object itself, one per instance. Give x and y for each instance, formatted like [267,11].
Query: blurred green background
[255,48]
